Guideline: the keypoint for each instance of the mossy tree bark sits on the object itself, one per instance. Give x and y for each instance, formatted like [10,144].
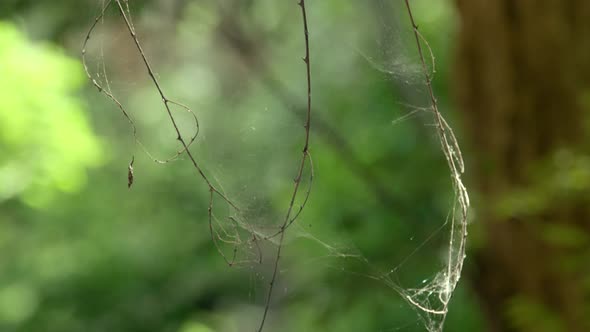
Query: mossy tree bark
[522,81]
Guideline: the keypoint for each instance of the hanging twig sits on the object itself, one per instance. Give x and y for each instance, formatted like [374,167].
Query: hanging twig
[452,153]
[107,92]
[167,102]
[306,155]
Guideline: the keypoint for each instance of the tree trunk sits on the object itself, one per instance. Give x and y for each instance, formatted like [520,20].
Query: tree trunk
[522,82]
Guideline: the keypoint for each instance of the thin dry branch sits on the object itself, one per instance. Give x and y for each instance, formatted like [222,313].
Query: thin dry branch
[124,12]
[450,148]
[107,92]
[288,219]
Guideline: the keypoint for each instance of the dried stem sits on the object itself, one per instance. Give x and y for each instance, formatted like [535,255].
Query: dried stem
[452,153]
[288,219]
[167,102]
[107,92]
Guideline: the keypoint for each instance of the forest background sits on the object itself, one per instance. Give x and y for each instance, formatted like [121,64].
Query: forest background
[80,251]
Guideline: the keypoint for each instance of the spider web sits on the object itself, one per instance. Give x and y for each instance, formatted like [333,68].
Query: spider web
[254,125]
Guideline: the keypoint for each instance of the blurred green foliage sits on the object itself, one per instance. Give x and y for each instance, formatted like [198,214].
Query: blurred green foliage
[527,314]
[45,137]
[100,257]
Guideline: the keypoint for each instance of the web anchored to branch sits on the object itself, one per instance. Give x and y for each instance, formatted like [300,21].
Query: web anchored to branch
[235,232]
[432,300]
[214,191]
[222,235]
